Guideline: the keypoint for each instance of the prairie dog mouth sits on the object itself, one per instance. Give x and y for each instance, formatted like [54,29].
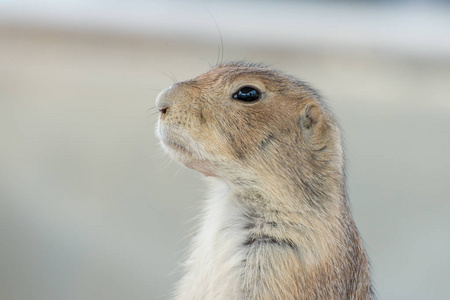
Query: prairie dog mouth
[188,158]
[176,146]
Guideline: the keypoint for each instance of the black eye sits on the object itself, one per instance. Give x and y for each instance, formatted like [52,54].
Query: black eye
[247,94]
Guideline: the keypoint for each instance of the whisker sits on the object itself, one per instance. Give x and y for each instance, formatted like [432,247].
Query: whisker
[176,174]
[209,63]
[160,153]
[176,80]
[165,165]
[169,76]
[220,52]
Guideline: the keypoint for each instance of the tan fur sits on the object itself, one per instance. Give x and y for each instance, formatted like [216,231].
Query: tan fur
[279,226]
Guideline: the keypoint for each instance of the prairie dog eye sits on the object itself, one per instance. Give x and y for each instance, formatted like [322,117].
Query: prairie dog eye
[247,94]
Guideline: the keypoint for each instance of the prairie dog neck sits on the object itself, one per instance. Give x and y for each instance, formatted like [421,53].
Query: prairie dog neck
[245,248]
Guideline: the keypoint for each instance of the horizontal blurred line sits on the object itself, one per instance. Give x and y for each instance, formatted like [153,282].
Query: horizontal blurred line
[417,30]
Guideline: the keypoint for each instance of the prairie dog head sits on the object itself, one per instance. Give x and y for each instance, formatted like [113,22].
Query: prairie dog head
[248,123]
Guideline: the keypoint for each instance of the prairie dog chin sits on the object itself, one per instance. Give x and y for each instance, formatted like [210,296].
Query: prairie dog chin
[278,223]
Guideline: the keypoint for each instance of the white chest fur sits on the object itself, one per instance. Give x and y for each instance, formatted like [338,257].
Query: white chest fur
[216,261]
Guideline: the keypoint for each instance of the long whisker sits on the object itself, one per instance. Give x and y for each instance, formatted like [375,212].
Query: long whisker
[160,153]
[178,172]
[209,63]
[220,52]
[171,77]
[165,164]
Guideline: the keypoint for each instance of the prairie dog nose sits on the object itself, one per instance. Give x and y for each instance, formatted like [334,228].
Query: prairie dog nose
[163,101]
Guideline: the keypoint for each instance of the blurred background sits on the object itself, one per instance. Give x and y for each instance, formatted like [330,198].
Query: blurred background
[90,207]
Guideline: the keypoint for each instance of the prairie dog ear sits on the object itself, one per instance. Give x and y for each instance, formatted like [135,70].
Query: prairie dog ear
[310,118]
[313,126]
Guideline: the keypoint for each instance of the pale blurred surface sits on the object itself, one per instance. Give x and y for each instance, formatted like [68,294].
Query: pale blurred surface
[89,207]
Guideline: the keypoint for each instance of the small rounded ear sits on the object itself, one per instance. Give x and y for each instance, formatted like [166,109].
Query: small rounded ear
[313,126]
[310,117]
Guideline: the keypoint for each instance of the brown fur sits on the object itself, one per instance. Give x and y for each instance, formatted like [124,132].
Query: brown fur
[283,162]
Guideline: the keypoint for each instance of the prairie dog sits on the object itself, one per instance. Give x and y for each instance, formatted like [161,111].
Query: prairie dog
[278,223]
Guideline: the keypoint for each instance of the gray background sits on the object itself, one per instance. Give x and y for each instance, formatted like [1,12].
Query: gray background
[90,206]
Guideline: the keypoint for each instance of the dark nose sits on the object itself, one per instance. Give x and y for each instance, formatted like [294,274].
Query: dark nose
[163,101]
